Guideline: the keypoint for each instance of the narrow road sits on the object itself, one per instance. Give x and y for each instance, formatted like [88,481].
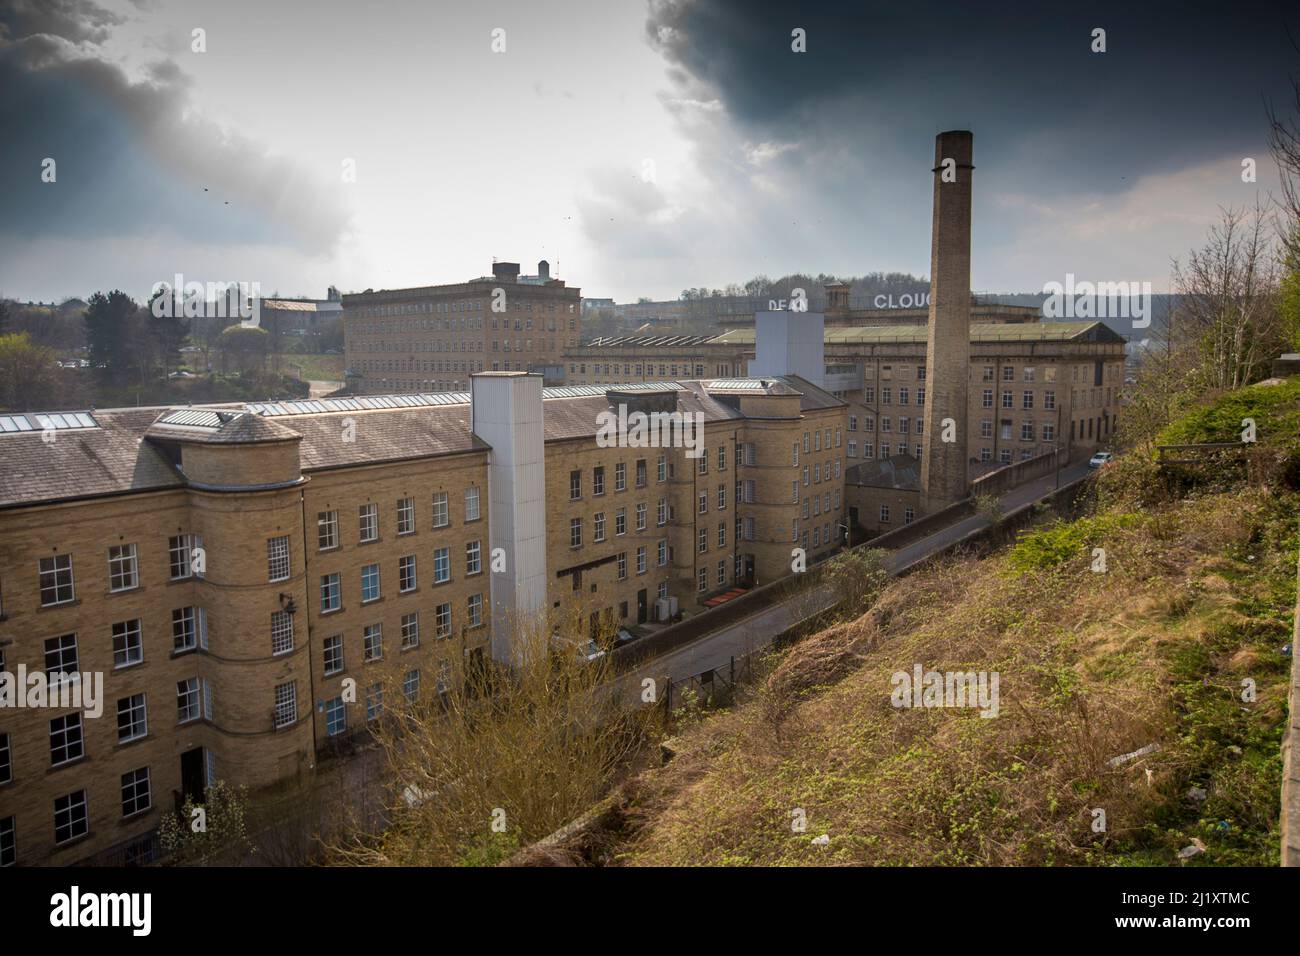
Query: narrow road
[319,389]
[757,631]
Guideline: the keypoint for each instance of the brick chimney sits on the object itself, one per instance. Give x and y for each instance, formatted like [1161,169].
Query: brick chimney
[947,351]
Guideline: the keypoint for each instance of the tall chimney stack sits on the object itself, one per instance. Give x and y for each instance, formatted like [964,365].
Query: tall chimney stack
[947,350]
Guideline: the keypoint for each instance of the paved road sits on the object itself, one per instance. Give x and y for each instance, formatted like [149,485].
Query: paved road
[319,389]
[757,631]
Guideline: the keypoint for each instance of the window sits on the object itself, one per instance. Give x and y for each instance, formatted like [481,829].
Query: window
[56,580]
[1049,433]
[333,656]
[640,473]
[702,580]
[1026,431]
[598,524]
[1008,400]
[277,559]
[66,740]
[474,610]
[662,553]
[61,655]
[411,685]
[368,520]
[441,565]
[722,458]
[884,514]
[406,580]
[336,717]
[372,643]
[471,503]
[703,540]
[374,701]
[661,512]
[188,625]
[642,509]
[473,557]
[575,532]
[180,554]
[641,560]
[1008,373]
[661,469]
[123,574]
[987,399]
[722,534]
[281,632]
[620,521]
[575,485]
[187,700]
[598,481]
[722,573]
[331,597]
[405,515]
[441,515]
[1049,400]
[1027,399]
[442,621]
[620,477]
[6,760]
[286,704]
[622,566]
[702,465]
[8,842]
[70,818]
[410,630]
[369,583]
[327,530]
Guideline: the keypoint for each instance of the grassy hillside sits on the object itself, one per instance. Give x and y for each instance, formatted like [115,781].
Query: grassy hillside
[1162,648]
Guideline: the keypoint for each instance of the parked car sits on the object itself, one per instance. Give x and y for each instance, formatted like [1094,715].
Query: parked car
[623,637]
[1100,459]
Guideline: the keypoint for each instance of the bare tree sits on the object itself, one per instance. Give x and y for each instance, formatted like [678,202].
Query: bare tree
[493,758]
[1227,310]
[1284,142]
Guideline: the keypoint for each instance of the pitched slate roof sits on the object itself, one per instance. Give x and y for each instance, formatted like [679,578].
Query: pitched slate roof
[84,463]
[129,450]
[1087,331]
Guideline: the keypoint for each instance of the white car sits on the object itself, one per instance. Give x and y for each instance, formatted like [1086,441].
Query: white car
[1100,459]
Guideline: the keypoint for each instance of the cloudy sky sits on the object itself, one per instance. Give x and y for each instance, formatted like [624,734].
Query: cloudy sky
[641,147]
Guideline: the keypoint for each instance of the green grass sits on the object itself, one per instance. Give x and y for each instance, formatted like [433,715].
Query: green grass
[326,368]
[1274,408]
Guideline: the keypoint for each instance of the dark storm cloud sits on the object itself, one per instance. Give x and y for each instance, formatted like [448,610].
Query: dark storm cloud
[1180,82]
[76,20]
[132,158]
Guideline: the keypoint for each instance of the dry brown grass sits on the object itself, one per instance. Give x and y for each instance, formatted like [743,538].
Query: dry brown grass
[1091,667]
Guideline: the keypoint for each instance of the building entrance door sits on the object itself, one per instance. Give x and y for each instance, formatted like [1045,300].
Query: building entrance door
[192,784]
